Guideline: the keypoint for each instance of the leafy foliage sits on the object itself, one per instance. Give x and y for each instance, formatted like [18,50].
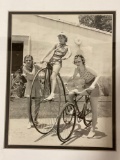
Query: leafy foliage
[102,22]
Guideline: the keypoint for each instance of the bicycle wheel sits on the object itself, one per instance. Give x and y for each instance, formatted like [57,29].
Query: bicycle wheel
[66,122]
[87,114]
[44,113]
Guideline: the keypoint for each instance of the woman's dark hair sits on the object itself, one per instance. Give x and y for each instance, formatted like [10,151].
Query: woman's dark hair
[66,39]
[27,56]
[81,56]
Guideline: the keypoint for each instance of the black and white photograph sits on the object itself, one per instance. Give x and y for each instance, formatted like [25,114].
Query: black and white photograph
[61,80]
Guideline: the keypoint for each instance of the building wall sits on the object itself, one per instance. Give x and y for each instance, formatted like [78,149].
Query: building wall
[42,33]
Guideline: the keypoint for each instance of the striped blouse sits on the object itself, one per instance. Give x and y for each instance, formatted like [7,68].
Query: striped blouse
[60,51]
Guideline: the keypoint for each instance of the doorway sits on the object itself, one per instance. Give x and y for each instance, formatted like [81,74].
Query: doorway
[17,56]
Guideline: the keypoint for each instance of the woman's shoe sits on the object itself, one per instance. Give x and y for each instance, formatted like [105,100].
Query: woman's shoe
[51,97]
[29,125]
[91,134]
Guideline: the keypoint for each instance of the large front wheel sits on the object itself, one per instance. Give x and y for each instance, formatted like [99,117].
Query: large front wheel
[66,122]
[44,113]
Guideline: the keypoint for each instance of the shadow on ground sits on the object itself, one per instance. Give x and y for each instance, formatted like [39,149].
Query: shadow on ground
[77,133]
[83,133]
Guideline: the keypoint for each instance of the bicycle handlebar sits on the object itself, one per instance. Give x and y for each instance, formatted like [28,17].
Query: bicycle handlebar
[87,89]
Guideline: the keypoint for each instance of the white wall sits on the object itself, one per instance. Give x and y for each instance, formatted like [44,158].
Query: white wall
[97,46]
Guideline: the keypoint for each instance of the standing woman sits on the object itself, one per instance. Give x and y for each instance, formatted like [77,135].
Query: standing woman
[90,78]
[29,71]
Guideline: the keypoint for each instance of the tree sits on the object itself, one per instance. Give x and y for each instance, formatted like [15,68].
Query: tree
[102,22]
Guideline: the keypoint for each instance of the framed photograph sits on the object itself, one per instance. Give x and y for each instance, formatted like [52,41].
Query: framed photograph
[61,80]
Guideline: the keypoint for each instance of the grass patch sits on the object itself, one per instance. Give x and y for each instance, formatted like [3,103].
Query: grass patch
[18,108]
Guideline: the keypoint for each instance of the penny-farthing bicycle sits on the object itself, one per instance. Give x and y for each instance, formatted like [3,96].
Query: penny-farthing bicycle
[73,112]
[44,113]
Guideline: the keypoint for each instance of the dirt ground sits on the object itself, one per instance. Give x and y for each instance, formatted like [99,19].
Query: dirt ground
[20,135]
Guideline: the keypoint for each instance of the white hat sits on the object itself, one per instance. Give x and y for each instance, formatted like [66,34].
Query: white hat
[62,33]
